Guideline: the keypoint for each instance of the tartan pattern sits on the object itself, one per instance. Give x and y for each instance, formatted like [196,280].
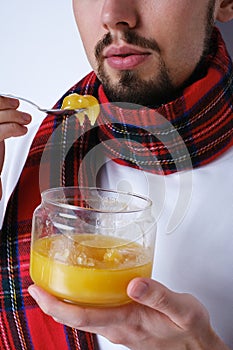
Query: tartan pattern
[188,132]
[23,326]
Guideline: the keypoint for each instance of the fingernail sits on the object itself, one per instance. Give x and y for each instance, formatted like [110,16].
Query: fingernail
[13,103]
[138,290]
[33,293]
[26,117]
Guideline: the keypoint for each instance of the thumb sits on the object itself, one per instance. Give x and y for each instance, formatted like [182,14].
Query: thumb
[182,308]
[151,293]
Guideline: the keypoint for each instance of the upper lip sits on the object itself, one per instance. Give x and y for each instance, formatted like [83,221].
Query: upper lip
[123,51]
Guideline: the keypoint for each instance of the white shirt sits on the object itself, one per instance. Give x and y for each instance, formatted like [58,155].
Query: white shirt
[194,252]
[194,249]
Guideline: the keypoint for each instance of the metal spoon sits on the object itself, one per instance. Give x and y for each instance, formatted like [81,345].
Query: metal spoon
[54,111]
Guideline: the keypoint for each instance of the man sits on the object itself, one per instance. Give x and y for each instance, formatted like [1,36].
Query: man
[163,55]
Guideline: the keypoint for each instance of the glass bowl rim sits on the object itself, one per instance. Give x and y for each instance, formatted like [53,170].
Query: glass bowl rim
[54,202]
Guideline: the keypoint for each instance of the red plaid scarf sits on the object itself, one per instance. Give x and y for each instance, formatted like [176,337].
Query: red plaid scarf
[188,132]
[203,118]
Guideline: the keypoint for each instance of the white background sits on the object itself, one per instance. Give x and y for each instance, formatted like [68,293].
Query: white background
[41,54]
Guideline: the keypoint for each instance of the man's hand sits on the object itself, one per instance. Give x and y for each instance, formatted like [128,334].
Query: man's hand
[12,123]
[156,319]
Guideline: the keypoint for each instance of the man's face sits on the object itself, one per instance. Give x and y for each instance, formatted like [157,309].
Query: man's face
[144,50]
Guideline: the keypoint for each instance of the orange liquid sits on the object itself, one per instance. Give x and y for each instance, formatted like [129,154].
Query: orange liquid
[88,269]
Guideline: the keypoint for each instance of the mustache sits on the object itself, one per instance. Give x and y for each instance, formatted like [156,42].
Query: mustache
[130,38]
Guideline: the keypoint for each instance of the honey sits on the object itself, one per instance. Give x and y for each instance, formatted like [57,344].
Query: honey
[88,269]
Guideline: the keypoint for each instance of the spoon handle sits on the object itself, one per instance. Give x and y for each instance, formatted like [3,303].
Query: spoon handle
[61,112]
[20,98]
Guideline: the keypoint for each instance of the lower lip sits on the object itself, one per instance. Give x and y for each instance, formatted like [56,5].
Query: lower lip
[128,62]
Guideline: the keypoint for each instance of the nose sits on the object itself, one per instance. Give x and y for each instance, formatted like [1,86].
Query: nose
[117,14]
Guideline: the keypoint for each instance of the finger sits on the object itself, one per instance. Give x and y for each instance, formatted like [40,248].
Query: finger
[12,123]
[183,309]
[89,319]
[2,154]
[8,103]
[12,130]
[14,116]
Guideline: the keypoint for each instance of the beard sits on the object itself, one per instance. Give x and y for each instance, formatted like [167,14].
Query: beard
[133,89]
[159,89]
